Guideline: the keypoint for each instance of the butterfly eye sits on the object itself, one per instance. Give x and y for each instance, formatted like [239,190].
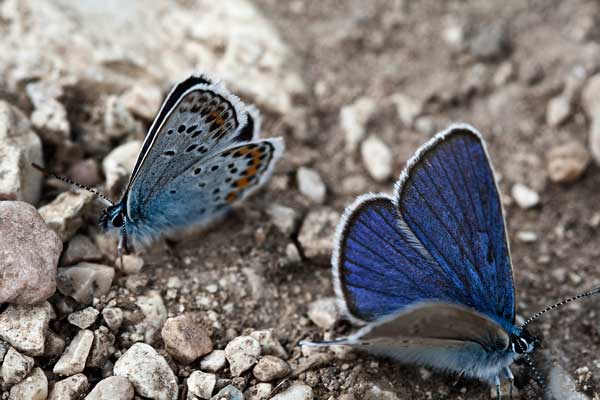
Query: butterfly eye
[118,220]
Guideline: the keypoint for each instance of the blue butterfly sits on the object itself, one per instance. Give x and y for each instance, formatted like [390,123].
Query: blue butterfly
[201,155]
[428,270]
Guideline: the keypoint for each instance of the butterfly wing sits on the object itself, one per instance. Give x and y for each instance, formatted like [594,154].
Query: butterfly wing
[448,198]
[383,262]
[440,335]
[206,188]
[174,185]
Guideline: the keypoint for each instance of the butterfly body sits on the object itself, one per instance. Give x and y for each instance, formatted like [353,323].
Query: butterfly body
[427,271]
[201,155]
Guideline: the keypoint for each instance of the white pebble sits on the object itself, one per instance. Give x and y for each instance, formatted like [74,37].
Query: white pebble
[377,158]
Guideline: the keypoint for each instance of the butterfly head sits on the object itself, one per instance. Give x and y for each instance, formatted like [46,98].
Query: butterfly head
[113,217]
[524,342]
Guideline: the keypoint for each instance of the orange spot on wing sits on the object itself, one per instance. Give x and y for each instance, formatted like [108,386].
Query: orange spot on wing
[251,170]
[231,197]
[242,183]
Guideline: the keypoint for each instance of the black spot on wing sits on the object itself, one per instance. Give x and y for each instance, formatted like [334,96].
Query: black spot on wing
[247,130]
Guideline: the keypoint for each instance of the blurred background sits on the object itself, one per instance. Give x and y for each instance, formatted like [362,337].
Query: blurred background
[355,88]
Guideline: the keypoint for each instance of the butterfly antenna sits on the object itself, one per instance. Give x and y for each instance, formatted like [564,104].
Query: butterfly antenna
[561,303]
[73,183]
[536,374]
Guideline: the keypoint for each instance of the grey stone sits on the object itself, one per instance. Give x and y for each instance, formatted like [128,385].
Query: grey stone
[316,233]
[524,196]
[34,387]
[286,219]
[201,385]
[65,213]
[15,367]
[377,158]
[311,184]
[143,100]
[73,359]
[407,107]
[354,119]
[213,362]
[492,42]
[149,372]
[324,313]
[80,248]
[229,392]
[85,318]
[299,391]
[49,116]
[19,147]
[242,353]
[118,121]
[561,386]
[270,368]
[71,388]
[24,327]
[113,316]
[112,388]
[85,281]
[269,344]
[132,264]
[54,345]
[29,253]
[118,164]
[590,101]
[260,391]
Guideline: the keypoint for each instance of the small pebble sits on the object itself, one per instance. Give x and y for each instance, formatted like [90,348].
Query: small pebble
[85,172]
[524,196]
[286,219]
[269,344]
[561,386]
[201,385]
[408,108]
[213,362]
[73,359]
[71,388]
[590,101]
[84,281]
[354,119]
[558,110]
[64,215]
[143,101]
[132,264]
[148,372]
[311,184]
[324,313]
[270,368]
[567,162]
[242,353]
[34,387]
[119,163]
[299,391]
[492,42]
[228,393]
[24,327]
[316,233]
[527,236]
[85,318]
[185,339]
[80,248]
[377,158]
[112,388]
[113,316]
[260,391]
[15,367]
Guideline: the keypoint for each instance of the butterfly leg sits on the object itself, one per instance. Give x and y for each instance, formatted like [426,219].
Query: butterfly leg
[511,378]
[497,381]
[122,243]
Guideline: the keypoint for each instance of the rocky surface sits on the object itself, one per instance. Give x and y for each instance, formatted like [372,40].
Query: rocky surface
[355,89]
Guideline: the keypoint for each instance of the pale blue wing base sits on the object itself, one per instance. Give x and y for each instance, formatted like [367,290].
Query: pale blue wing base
[204,190]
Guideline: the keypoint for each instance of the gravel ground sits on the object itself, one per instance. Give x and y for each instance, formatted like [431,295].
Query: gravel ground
[355,88]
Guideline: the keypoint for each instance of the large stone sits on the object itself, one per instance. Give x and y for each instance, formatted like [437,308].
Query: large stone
[561,386]
[201,385]
[71,388]
[149,372]
[185,339]
[567,162]
[24,327]
[65,213]
[85,281]
[118,164]
[29,253]
[270,368]
[34,387]
[311,184]
[297,392]
[15,367]
[19,147]
[324,313]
